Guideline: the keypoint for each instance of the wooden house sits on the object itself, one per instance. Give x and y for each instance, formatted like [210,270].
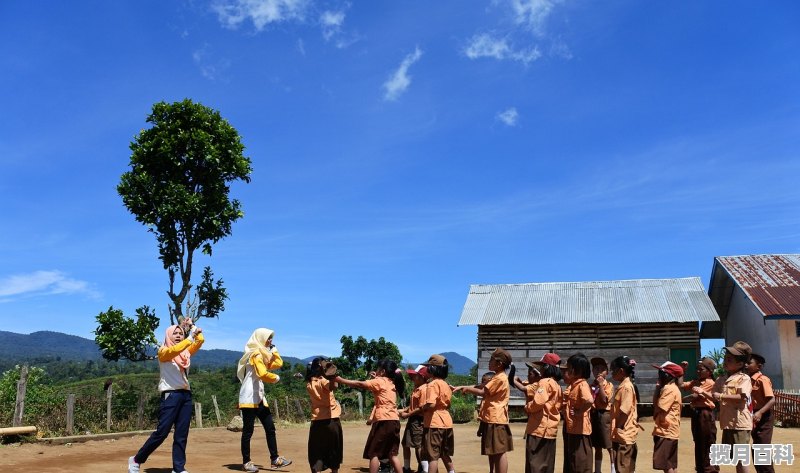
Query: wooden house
[757,298]
[649,320]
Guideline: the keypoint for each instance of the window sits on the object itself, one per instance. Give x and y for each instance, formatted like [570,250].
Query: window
[797,329]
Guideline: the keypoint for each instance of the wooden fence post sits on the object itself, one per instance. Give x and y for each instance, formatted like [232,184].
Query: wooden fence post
[198,412]
[70,414]
[108,406]
[288,410]
[216,409]
[275,405]
[140,411]
[19,406]
[360,403]
[300,414]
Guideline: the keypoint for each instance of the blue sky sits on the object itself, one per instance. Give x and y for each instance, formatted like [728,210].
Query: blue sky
[401,152]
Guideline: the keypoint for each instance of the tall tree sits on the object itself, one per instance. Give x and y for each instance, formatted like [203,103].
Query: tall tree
[360,356]
[178,187]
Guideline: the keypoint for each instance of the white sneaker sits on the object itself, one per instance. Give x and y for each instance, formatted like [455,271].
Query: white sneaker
[133,467]
[184,471]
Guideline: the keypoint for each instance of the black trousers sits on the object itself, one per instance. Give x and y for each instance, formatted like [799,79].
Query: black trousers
[264,415]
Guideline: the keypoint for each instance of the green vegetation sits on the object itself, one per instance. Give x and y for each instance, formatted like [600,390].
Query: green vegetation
[178,187]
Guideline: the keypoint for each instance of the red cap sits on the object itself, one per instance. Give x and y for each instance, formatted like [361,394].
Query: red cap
[551,359]
[671,369]
[421,370]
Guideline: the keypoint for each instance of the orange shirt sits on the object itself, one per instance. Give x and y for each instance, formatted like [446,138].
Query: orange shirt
[323,404]
[762,390]
[579,402]
[385,398]
[706,385]
[608,389]
[417,398]
[667,415]
[438,393]
[734,414]
[542,403]
[624,415]
[494,407]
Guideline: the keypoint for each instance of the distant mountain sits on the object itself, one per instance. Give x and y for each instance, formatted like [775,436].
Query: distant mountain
[459,364]
[56,346]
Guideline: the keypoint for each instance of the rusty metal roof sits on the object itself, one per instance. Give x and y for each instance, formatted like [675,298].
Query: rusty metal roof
[599,302]
[772,282]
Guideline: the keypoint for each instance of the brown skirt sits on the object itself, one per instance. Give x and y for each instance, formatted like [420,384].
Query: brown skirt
[579,458]
[625,457]
[412,436]
[540,455]
[437,443]
[601,429]
[665,453]
[496,439]
[383,440]
[325,444]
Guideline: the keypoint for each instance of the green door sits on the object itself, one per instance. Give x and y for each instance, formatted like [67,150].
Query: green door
[677,355]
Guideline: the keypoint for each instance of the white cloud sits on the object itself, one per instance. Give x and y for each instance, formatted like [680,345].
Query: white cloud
[44,283]
[331,22]
[232,13]
[484,45]
[509,116]
[533,13]
[400,80]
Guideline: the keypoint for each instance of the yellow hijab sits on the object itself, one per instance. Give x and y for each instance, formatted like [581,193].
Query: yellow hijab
[256,344]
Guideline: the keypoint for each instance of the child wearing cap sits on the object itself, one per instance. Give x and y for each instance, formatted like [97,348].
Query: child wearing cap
[667,417]
[412,436]
[600,415]
[325,440]
[496,437]
[383,440]
[624,415]
[732,391]
[763,400]
[542,403]
[437,434]
[704,428]
[579,400]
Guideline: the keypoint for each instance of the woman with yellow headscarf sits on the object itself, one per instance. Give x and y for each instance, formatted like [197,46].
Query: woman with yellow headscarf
[260,356]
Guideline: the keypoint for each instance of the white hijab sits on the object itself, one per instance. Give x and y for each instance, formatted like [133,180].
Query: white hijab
[256,344]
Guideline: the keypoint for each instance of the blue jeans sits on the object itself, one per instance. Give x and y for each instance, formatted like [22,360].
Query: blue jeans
[176,409]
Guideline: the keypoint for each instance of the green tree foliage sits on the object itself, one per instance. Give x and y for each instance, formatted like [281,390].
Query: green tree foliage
[178,187]
[718,355]
[119,337]
[360,356]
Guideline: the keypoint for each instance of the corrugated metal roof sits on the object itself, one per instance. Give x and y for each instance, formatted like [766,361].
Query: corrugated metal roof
[600,302]
[772,282]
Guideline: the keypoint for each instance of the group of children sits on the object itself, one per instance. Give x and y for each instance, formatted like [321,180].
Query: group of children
[596,416]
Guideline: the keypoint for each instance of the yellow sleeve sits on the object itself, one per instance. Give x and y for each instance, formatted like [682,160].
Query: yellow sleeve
[276,362]
[261,370]
[168,353]
[198,342]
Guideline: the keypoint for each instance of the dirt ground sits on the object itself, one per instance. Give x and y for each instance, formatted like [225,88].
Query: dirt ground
[217,450]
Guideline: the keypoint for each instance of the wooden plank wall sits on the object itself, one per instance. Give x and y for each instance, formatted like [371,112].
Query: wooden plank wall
[646,343]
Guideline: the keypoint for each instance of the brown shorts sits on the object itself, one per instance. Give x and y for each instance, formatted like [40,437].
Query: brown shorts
[540,455]
[601,429]
[412,436]
[625,457]
[496,439]
[383,440]
[437,443]
[665,453]
[732,437]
